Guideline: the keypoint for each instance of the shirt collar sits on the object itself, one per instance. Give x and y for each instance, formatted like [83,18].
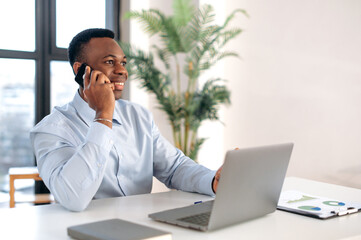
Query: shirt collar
[87,113]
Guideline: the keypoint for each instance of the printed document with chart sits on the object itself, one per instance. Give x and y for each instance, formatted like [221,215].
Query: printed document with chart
[314,206]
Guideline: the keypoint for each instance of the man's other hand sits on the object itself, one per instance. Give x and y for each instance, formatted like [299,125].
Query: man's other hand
[216,179]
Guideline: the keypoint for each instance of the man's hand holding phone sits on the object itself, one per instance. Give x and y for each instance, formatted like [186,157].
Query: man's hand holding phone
[98,92]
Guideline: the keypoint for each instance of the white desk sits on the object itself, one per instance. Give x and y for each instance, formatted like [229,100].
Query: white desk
[51,221]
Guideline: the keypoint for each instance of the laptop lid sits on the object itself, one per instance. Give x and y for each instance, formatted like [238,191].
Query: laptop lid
[250,184]
[249,187]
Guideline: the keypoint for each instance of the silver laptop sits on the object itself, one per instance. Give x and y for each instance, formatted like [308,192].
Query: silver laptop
[249,187]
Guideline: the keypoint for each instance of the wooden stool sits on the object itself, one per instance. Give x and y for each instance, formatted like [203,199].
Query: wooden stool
[26,173]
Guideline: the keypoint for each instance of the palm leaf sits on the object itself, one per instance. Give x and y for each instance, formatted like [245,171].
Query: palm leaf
[194,31]
[183,11]
[231,16]
[228,35]
[195,147]
[200,51]
[214,59]
[205,102]
[170,37]
[150,20]
[163,55]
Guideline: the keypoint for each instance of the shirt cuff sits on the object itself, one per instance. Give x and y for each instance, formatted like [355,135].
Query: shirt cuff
[101,135]
[206,183]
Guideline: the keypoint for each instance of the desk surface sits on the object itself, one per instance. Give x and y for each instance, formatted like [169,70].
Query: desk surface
[51,221]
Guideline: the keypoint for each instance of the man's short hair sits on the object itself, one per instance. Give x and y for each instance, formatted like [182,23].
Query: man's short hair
[76,46]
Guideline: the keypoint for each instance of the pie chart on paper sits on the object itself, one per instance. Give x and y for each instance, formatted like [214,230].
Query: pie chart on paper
[310,208]
[334,203]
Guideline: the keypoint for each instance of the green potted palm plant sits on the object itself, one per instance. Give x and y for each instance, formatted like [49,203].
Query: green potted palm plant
[189,41]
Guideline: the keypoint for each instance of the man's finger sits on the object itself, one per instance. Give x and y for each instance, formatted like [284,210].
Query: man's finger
[101,78]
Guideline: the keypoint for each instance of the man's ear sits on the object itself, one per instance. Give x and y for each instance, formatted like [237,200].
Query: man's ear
[76,67]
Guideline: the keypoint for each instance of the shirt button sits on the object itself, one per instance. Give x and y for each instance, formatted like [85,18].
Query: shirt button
[99,165]
[111,142]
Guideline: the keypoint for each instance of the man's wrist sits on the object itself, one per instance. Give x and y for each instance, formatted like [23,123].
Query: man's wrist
[104,114]
[103,120]
[106,119]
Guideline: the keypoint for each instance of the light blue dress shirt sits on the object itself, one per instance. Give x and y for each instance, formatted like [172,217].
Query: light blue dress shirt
[79,159]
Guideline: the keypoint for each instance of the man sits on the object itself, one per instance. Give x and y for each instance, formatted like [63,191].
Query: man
[100,146]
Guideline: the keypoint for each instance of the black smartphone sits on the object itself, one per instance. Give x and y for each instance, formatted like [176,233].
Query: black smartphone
[79,76]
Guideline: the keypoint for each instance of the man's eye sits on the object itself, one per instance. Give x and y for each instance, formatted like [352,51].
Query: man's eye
[123,63]
[109,61]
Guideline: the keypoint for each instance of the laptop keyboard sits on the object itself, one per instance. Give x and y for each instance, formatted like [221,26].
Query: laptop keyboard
[201,219]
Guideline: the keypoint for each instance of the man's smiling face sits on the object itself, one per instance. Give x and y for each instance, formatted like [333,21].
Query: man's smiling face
[105,55]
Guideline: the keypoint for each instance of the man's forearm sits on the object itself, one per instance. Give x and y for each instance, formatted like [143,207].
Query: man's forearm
[73,174]
[74,183]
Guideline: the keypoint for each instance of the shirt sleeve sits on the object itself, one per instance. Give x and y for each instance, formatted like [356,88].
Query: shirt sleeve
[178,171]
[72,171]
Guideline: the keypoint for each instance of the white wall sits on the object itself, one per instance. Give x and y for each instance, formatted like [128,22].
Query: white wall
[299,81]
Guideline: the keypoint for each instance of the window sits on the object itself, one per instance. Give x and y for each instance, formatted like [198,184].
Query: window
[16,111]
[35,73]
[62,86]
[22,31]
[71,20]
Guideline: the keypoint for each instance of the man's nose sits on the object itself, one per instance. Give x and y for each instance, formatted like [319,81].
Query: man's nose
[120,69]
